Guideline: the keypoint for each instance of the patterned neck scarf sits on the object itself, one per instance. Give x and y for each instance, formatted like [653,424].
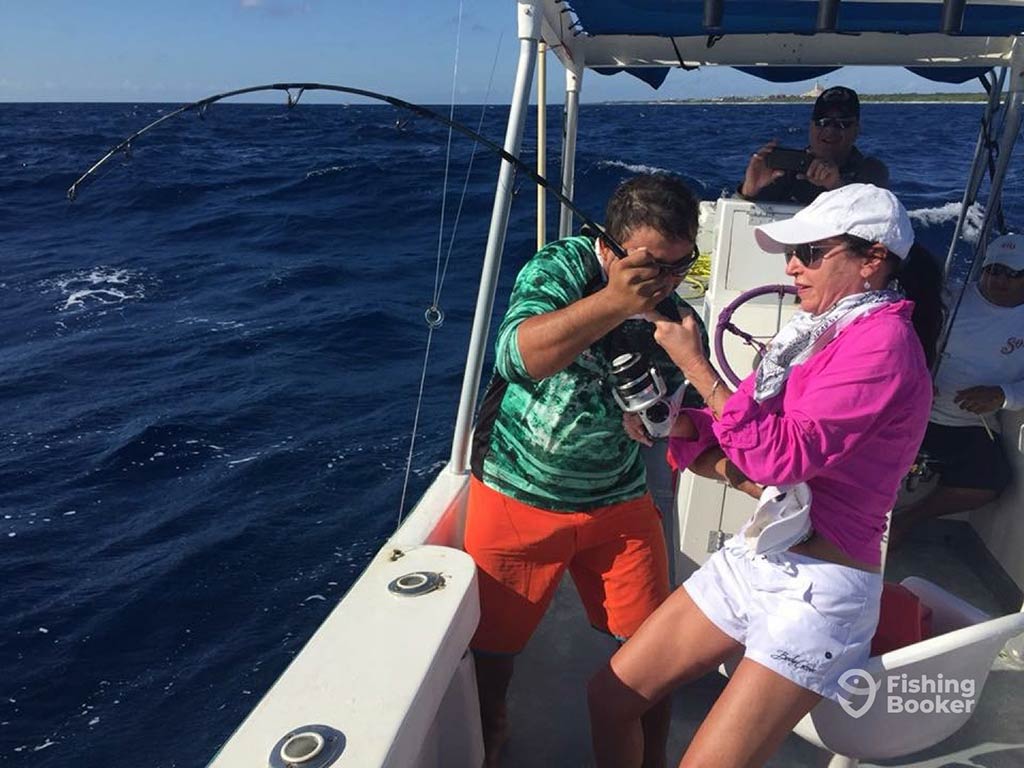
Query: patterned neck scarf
[805,334]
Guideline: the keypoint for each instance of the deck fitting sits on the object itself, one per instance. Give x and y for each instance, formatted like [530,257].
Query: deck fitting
[308,746]
[416,583]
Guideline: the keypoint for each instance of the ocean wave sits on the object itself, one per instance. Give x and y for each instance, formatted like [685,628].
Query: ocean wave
[327,170]
[291,279]
[101,286]
[360,175]
[632,167]
[215,326]
[950,212]
[157,450]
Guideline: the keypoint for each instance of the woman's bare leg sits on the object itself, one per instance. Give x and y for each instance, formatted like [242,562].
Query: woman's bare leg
[677,643]
[752,717]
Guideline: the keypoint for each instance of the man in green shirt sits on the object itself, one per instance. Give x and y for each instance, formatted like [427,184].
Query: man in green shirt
[557,483]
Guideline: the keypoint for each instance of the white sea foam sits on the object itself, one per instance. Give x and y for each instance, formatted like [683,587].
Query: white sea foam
[431,470]
[324,171]
[937,215]
[214,325]
[950,212]
[631,167]
[97,286]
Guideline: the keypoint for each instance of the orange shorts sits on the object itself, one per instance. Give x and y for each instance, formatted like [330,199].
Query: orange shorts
[616,555]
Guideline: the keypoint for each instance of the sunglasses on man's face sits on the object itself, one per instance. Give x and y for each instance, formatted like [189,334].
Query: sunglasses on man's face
[1001,270]
[841,123]
[681,267]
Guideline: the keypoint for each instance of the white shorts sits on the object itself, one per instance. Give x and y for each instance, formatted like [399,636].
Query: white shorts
[806,619]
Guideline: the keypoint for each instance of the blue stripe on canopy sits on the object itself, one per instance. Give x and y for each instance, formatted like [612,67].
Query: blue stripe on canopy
[948,74]
[655,76]
[683,18]
[787,74]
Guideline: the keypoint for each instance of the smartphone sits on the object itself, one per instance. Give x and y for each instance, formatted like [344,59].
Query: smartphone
[789,159]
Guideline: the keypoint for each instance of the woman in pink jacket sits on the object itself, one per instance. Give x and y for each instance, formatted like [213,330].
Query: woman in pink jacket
[829,423]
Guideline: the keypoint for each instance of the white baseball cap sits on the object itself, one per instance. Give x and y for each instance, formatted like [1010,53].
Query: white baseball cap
[862,210]
[1008,250]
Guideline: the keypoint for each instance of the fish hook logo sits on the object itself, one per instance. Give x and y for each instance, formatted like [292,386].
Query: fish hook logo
[851,681]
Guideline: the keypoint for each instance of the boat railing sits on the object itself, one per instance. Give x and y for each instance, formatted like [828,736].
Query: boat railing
[387,678]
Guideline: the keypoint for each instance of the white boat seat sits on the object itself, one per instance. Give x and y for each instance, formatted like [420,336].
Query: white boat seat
[964,645]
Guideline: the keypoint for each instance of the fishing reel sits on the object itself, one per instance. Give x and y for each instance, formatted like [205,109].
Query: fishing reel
[921,471]
[638,388]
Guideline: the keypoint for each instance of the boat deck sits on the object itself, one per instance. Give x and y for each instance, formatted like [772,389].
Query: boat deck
[548,711]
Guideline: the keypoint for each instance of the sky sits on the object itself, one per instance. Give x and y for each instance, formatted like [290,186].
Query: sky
[182,50]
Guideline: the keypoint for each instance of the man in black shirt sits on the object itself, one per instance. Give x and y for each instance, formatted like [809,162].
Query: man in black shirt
[835,123]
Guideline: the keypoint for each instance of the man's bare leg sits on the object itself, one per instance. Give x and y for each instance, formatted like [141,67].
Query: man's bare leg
[493,674]
[655,724]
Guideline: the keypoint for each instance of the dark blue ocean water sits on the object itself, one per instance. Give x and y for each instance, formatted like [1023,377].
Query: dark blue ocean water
[209,366]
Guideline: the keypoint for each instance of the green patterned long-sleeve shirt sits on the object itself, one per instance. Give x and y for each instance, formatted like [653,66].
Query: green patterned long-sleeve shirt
[558,443]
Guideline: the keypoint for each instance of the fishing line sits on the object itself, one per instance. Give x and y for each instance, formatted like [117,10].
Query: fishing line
[448,155]
[472,158]
[433,315]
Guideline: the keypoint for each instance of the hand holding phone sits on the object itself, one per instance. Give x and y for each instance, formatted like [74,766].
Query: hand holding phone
[782,159]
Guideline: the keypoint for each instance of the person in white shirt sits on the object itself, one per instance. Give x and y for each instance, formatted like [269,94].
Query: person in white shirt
[980,374]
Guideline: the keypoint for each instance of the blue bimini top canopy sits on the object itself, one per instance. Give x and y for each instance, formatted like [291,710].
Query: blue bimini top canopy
[784,40]
[686,18]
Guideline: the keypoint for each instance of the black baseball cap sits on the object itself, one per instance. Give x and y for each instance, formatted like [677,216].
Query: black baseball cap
[837,101]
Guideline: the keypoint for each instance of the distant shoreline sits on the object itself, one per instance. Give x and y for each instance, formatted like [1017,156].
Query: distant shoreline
[867,98]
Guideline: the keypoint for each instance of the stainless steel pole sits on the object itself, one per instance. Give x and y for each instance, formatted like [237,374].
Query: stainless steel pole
[572,111]
[542,143]
[977,167]
[529,33]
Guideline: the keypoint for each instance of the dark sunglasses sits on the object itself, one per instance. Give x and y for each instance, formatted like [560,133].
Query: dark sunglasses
[1001,270]
[681,267]
[807,254]
[842,123]
[810,254]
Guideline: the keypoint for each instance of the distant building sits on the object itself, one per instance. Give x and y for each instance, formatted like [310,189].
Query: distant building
[815,92]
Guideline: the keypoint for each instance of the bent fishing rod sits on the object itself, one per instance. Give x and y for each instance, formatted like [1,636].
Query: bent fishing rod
[293,99]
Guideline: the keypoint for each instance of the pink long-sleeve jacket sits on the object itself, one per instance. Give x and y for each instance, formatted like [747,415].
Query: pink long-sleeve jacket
[849,423]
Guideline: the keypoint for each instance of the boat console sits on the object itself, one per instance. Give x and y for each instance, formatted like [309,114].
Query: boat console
[708,511]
